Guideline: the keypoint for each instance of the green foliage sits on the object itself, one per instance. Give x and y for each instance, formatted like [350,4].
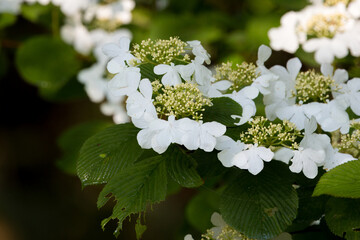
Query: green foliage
[147,71]
[201,207]
[182,168]
[260,206]
[108,152]
[71,141]
[47,63]
[36,12]
[343,217]
[7,19]
[221,111]
[134,188]
[342,181]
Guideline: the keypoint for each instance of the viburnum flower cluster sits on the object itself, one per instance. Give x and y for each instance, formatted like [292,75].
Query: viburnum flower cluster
[329,28]
[169,89]
[168,109]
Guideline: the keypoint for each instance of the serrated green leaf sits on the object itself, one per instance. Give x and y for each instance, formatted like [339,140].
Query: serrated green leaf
[200,208]
[107,152]
[147,71]
[208,163]
[182,168]
[342,215]
[342,181]
[260,206]
[46,62]
[139,228]
[71,141]
[221,111]
[134,188]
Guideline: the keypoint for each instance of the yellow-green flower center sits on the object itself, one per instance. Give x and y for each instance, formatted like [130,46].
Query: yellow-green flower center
[160,51]
[241,75]
[348,143]
[312,86]
[227,233]
[265,133]
[326,25]
[182,100]
[334,2]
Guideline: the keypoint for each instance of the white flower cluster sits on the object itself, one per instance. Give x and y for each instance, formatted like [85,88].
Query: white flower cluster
[170,110]
[164,116]
[330,28]
[305,99]
[89,25]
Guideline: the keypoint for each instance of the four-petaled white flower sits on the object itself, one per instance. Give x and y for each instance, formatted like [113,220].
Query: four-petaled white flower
[311,153]
[201,55]
[243,156]
[119,54]
[139,105]
[125,82]
[201,135]
[171,73]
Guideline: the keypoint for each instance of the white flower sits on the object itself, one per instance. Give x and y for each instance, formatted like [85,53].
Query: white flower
[215,89]
[119,53]
[243,156]
[229,148]
[354,8]
[333,116]
[10,6]
[201,135]
[329,31]
[252,158]
[125,82]
[334,158]
[188,237]
[307,160]
[350,93]
[139,105]
[201,55]
[171,73]
[77,35]
[202,75]
[115,109]
[298,114]
[285,37]
[311,153]
[244,98]
[95,84]
[161,133]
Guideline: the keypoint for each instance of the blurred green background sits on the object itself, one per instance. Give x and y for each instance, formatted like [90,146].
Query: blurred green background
[38,199]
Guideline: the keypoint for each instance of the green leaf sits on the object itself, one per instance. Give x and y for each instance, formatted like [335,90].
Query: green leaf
[200,208]
[7,19]
[134,188]
[47,63]
[221,111]
[71,141]
[342,181]
[208,164]
[108,152]
[182,167]
[36,12]
[260,206]
[147,71]
[139,228]
[342,215]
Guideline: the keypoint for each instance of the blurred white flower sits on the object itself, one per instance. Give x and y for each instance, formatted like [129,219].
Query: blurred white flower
[10,6]
[329,31]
